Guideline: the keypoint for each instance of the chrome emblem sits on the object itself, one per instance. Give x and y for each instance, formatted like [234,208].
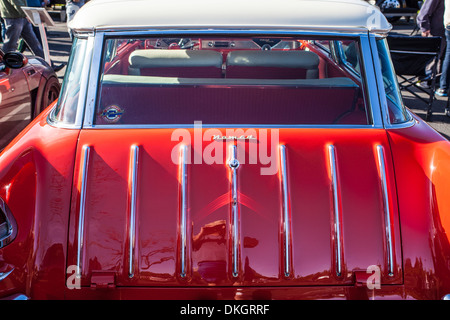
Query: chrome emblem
[228,138]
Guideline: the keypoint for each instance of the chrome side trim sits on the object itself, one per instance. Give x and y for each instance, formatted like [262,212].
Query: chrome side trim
[387,211]
[286,212]
[134,165]
[84,166]
[233,163]
[4,275]
[183,209]
[336,209]
[17,296]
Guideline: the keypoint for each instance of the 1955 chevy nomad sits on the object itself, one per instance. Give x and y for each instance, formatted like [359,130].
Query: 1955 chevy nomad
[213,149]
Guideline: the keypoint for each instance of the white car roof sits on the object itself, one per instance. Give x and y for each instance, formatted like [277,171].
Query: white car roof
[321,15]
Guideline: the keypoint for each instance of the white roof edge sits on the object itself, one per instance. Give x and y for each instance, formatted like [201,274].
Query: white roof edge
[302,15]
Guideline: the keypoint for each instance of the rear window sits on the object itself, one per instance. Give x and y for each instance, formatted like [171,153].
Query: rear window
[230,81]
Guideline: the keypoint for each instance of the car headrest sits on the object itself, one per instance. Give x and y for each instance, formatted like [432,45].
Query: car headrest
[160,58]
[282,59]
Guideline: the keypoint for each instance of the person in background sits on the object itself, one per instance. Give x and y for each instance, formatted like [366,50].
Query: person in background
[445,76]
[430,21]
[16,26]
[72,6]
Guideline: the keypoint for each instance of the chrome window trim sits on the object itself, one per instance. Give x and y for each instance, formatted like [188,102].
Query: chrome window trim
[85,81]
[94,77]
[342,59]
[94,80]
[240,126]
[382,94]
[368,70]
[404,125]
[378,109]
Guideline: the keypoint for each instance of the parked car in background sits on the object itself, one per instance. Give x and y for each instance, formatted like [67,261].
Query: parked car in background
[257,151]
[395,9]
[27,85]
[399,3]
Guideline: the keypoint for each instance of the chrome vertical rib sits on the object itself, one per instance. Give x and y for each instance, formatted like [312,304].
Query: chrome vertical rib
[233,163]
[387,211]
[84,171]
[134,165]
[183,209]
[336,209]
[286,221]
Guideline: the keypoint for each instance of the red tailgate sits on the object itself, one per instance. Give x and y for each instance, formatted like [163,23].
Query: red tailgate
[304,216]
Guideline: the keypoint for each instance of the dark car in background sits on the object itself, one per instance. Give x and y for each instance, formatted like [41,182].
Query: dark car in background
[27,85]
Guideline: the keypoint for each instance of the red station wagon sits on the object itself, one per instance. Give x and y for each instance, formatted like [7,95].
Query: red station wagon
[226,150]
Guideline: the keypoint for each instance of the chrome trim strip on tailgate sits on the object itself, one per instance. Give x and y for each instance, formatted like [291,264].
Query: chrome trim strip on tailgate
[4,275]
[233,163]
[134,165]
[336,209]
[17,296]
[84,170]
[183,209]
[387,211]
[286,214]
